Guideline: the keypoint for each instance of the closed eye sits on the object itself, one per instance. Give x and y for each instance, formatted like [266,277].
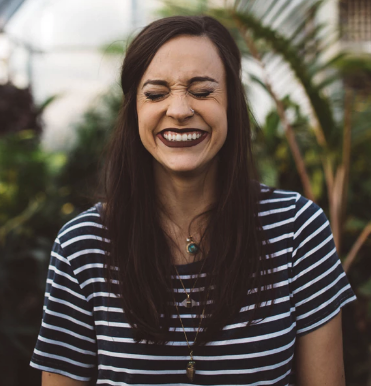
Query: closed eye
[153,97]
[201,94]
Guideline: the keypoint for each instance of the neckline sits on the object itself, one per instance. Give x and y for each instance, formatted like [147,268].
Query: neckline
[182,268]
[190,267]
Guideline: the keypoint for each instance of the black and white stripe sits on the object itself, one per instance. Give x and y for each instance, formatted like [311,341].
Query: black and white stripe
[85,335]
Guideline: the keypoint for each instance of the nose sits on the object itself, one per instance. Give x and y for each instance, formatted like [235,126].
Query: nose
[179,108]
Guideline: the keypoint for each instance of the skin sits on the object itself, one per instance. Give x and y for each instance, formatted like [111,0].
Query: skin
[50,379]
[319,356]
[176,63]
[185,177]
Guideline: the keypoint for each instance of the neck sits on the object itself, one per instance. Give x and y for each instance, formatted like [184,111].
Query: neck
[185,195]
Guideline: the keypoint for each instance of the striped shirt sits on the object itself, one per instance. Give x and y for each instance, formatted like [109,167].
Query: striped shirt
[85,336]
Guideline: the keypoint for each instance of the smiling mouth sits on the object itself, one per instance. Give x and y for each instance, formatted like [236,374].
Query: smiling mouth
[182,138]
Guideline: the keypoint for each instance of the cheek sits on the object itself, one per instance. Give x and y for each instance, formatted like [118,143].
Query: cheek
[148,121]
[148,116]
[143,127]
[223,133]
[145,121]
[222,127]
[218,120]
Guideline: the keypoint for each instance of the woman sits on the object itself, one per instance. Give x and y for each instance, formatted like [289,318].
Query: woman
[191,272]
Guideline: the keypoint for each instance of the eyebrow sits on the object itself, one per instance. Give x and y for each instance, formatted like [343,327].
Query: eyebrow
[195,79]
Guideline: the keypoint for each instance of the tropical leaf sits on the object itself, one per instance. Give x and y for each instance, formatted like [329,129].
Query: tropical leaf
[48,101]
[281,45]
[328,81]
[258,81]
[300,25]
[317,66]
[115,48]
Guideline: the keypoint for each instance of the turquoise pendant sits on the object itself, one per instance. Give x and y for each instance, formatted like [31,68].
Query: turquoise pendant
[192,247]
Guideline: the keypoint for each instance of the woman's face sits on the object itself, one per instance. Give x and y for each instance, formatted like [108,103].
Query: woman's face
[185,74]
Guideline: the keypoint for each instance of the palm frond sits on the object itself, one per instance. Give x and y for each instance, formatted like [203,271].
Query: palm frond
[300,24]
[310,36]
[316,67]
[269,12]
[284,47]
[288,18]
[258,81]
[48,101]
[328,81]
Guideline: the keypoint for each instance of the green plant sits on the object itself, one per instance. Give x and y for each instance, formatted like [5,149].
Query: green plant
[39,192]
[319,143]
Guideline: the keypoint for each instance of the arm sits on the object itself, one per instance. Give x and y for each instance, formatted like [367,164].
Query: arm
[67,340]
[51,379]
[319,356]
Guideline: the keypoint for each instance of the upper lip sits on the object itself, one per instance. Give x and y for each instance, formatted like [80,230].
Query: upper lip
[181,130]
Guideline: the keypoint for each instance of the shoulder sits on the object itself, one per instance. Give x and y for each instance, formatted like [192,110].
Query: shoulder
[82,234]
[278,207]
[280,199]
[84,223]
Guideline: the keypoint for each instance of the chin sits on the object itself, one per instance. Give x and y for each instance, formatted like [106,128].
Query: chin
[188,168]
[185,165]
[184,170]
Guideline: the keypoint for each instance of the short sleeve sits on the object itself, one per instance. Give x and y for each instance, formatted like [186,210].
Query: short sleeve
[66,343]
[318,282]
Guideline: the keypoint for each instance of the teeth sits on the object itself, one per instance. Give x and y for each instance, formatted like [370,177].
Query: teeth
[182,137]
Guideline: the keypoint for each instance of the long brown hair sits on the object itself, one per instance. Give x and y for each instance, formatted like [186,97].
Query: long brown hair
[139,247]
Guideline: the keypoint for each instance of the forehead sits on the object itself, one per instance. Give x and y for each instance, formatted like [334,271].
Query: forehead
[184,57]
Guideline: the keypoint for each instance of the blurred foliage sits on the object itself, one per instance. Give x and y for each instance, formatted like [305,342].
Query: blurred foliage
[17,110]
[337,87]
[39,192]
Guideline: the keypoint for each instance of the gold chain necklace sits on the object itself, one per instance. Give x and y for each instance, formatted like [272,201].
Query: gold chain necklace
[192,248]
[189,302]
[191,365]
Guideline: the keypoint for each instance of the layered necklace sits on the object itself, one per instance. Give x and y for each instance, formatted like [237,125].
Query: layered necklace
[188,302]
[192,248]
